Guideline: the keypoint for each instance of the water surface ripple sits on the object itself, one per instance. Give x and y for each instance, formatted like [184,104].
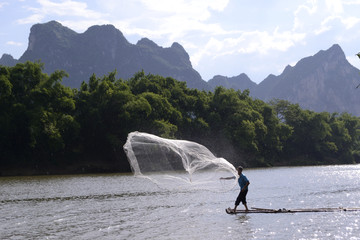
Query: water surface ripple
[117,206]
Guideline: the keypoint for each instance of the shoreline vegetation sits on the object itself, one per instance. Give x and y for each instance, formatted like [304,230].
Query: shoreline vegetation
[48,128]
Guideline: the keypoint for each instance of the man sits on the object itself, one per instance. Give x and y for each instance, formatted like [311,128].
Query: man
[243,183]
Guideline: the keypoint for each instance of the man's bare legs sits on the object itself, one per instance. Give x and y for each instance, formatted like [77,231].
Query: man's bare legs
[246,208]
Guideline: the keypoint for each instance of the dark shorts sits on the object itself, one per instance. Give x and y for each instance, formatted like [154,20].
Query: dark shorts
[241,198]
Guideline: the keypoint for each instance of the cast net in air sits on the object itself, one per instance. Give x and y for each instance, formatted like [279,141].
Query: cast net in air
[176,164]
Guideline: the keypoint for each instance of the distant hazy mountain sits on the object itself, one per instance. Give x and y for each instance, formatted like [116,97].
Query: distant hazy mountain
[240,82]
[323,82]
[102,49]
[8,60]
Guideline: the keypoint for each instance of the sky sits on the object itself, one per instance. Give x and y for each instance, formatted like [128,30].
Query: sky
[222,37]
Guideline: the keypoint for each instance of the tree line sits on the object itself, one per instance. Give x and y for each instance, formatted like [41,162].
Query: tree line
[47,126]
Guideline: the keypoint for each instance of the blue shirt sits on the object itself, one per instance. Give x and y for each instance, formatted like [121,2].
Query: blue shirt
[242,181]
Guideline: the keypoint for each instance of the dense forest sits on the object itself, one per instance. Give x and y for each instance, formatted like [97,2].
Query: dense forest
[47,128]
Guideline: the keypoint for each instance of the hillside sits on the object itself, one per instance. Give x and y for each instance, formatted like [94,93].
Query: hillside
[323,82]
[239,82]
[102,49]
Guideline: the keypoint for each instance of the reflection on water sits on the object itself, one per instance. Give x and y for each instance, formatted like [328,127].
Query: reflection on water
[119,206]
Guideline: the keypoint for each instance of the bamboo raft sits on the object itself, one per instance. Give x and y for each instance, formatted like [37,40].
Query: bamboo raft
[301,210]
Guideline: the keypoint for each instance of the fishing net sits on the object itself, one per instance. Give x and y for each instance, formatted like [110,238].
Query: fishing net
[176,164]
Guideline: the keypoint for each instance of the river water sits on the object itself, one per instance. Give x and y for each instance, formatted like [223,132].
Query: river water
[117,206]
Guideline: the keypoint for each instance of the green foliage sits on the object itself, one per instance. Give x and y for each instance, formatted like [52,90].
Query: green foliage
[5,87]
[36,114]
[319,137]
[43,122]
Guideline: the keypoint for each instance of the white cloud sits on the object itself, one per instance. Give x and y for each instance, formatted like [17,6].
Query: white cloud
[14,43]
[354,2]
[255,42]
[167,21]
[350,22]
[34,18]
[303,13]
[335,6]
[182,17]
[54,10]
[68,8]
[319,17]
[191,9]
[326,24]
[2,4]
